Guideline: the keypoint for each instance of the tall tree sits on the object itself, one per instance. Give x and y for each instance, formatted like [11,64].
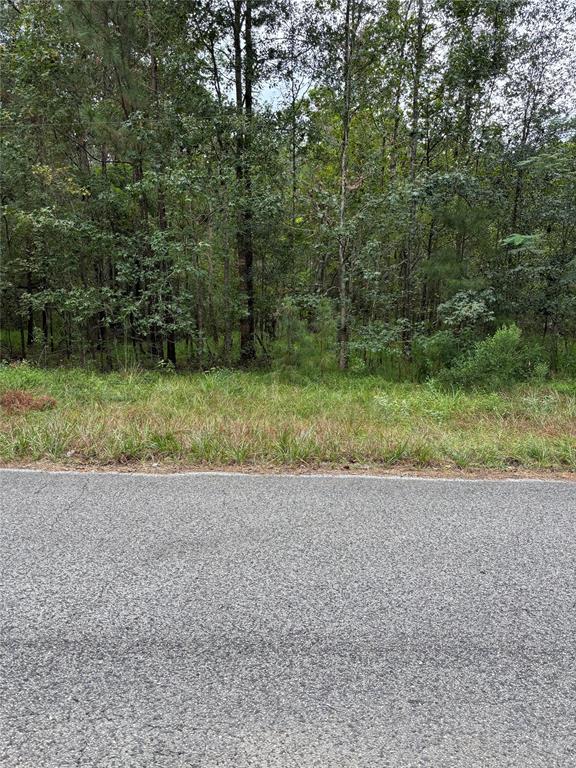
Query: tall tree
[243,82]
[211,182]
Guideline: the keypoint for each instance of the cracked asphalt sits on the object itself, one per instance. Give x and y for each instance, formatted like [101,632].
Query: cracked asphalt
[198,621]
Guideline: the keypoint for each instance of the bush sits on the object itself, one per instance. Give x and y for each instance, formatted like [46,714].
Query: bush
[296,347]
[497,362]
[563,356]
[467,309]
[434,353]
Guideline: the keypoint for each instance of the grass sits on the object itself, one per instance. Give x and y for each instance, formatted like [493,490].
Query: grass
[225,418]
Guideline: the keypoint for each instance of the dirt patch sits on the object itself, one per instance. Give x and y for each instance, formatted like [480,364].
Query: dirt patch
[19,401]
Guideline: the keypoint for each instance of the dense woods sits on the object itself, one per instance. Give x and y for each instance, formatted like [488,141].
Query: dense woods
[365,184]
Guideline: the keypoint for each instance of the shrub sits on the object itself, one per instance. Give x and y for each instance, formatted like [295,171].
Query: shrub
[497,362]
[434,353]
[295,346]
[467,309]
[563,357]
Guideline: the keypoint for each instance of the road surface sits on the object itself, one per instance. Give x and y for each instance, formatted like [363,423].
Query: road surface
[203,621]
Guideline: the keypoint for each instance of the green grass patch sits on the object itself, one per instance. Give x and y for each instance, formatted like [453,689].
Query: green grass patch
[225,418]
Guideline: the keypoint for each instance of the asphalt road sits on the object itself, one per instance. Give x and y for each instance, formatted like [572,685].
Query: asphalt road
[232,621]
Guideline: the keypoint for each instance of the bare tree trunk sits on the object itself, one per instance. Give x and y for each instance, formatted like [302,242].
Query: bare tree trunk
[293,142]
[45,325]
[22,342]
[201,293]
[243,76]
[410,247]
[227,312]
[397,99]
[343,256]
[171,347]
[30,318]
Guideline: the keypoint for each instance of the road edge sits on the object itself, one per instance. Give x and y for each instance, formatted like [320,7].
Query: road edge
[287,472]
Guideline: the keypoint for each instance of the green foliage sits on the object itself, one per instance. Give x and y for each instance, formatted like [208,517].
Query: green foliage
[498,361]
[436,352]
[293,345]
[523,243]
[141,204]
[467,309]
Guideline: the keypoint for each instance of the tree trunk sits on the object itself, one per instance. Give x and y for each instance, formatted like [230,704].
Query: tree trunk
[243,76]
[30,317]
[410,247]
[343,258]
[227,312]
[397,100]
[22,339]
[171,347]
[45,325]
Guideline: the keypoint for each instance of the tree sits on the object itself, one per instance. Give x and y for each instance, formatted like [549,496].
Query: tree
[189,184]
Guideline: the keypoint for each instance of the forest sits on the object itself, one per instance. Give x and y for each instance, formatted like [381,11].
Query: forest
[383,186]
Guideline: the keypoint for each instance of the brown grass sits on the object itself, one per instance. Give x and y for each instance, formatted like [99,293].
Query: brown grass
[19,401]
